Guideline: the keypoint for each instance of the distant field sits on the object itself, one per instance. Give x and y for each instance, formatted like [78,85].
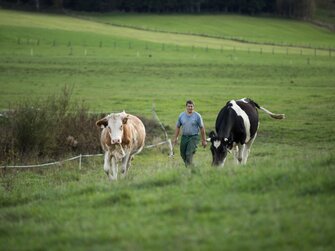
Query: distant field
[248,29]
[282,200]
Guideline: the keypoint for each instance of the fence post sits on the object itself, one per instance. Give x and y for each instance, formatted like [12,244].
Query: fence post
[171,148]
[80,161]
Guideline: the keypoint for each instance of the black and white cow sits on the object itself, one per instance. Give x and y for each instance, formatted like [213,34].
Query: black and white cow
[236,129]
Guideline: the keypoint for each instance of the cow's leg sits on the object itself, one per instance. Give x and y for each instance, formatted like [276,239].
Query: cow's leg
[107,163]
[247,149]
[113,176]
[235,152]
[130,159]
[240,153]
[125,164]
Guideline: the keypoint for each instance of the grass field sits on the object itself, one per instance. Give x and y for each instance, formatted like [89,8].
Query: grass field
[244,28]
[283,199]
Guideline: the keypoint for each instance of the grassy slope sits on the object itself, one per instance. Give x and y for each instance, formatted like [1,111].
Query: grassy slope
[253,29]
[282,200]
[291,32]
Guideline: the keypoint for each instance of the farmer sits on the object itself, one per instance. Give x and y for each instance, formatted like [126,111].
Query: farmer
[191,123]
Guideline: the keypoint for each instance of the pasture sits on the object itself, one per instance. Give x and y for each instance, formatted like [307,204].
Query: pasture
[283,199]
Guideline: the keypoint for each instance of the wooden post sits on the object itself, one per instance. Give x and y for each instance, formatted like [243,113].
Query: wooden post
[80,162]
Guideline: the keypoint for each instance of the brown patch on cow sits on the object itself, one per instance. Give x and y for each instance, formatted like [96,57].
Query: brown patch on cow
[105,139]
[126,137]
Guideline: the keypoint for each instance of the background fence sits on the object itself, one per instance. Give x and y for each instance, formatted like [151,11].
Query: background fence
[71,48]
[81,156]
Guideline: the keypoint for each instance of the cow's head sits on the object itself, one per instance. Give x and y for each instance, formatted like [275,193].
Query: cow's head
[219,148]
[114,123]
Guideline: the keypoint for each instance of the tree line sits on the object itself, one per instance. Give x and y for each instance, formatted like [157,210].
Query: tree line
[287,8]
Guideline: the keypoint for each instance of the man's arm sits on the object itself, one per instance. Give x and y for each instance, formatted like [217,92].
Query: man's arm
[176,134]
[203,136]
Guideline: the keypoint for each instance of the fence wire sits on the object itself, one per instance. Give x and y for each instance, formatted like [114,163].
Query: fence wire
[80,157]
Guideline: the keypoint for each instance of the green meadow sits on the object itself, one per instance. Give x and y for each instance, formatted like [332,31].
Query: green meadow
[283,199]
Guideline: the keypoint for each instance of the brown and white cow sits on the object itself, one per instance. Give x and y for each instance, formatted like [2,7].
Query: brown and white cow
[123,136]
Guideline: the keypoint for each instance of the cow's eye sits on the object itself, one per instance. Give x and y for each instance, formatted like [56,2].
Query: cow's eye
[121,127]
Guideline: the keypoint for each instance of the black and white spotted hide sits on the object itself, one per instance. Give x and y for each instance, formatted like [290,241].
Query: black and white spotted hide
[236,129]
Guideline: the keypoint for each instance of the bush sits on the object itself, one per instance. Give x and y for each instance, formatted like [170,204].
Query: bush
[35,130]
[51,128]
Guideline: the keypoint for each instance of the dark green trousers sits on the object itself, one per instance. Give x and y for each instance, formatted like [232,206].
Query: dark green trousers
[188,147]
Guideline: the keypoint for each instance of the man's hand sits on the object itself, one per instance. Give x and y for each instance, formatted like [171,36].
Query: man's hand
[174,142]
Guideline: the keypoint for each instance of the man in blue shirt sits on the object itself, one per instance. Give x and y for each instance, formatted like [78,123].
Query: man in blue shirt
[191,123]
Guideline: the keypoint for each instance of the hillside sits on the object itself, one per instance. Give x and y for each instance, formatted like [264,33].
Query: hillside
[283,199]
[261,30]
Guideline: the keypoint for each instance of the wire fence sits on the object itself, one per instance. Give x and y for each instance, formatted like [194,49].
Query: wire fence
[80,157]
[87,48]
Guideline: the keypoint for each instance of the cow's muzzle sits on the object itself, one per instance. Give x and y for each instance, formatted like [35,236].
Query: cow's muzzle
[116,141]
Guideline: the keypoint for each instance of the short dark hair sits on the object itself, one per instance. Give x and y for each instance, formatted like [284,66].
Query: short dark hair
[189,102]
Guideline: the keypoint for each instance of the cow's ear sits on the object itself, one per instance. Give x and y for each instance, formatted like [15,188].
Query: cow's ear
[125,119]
[102,123]
[212,134]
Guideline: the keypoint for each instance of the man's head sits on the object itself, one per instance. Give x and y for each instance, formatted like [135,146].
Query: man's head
[189,106]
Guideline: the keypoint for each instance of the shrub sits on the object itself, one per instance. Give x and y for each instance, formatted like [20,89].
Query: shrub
[51,128]
[35,130]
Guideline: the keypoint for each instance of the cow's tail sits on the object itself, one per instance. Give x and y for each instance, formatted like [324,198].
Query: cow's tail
[271,114]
